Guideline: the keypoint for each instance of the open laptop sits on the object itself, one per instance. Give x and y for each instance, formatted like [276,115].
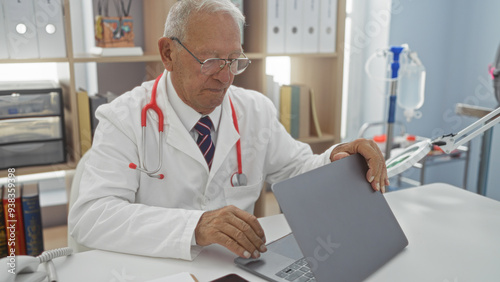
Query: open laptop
[342,230]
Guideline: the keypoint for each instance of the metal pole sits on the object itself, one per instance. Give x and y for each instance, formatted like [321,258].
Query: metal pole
[396,51]
[482,178]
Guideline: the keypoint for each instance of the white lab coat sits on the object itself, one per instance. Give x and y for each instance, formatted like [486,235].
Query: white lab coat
[120,209]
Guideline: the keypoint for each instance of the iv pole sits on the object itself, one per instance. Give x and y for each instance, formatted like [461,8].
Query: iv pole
[396,50]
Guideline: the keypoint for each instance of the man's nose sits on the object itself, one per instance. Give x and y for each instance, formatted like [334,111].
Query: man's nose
[224,74]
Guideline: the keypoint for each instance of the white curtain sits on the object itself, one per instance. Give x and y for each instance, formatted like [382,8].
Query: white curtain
[367,30]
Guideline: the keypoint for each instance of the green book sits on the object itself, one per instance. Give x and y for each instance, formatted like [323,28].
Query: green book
[295,112]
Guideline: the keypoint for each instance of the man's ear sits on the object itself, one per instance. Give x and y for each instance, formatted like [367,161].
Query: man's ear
[165,46]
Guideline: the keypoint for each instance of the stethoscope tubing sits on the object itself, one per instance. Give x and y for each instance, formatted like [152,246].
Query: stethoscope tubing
[237,179]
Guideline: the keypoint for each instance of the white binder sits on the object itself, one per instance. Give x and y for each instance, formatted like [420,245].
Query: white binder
[276,26]
[4,53]
[293,25]
[310,41]
[22,41]
[50,28]
[239,5]
[328,26]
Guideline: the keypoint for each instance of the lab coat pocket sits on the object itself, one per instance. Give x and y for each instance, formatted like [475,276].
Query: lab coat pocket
[243,197]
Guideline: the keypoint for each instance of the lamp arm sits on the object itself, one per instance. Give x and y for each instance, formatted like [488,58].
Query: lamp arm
[452,141]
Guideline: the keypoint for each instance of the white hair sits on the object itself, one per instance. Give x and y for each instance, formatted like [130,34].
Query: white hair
[177,19]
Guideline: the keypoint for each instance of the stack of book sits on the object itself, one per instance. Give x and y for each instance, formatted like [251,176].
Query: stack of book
[87,105]
[297,110]
[20,221]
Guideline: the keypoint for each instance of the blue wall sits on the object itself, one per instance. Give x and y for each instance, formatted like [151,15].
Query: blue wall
[456,40]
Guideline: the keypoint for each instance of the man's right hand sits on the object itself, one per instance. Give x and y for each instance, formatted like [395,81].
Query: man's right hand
[233,228]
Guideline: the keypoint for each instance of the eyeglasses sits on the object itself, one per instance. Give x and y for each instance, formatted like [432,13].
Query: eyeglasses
[214,65]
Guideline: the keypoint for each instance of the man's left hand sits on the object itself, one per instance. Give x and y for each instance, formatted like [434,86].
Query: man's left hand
[377,171]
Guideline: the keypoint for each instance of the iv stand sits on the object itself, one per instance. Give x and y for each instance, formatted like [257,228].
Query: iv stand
[396,50]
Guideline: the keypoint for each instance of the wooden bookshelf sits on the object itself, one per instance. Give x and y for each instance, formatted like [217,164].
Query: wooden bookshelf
[322,72]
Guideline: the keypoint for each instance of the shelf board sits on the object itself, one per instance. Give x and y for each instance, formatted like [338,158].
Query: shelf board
[34,60]
[315,140]
[153,57]
[305,55]
[255,56]
[89,58]
[40,169]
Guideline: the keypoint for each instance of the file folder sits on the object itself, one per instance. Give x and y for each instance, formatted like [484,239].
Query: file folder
[22,40]
[4,53]
[293,25]
[328,26]
[239,5]
[276,26]
[310,42]
[50,28]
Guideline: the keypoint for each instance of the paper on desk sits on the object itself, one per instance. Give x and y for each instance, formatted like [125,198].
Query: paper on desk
[179,277]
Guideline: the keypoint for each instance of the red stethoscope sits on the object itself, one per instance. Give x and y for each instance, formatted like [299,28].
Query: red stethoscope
[237,179]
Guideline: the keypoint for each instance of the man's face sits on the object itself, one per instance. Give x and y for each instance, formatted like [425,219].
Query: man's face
[208,36]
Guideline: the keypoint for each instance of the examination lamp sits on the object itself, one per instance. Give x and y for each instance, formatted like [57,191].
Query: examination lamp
[448,143]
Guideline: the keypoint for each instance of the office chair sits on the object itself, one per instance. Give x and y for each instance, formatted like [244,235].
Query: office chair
[75,186]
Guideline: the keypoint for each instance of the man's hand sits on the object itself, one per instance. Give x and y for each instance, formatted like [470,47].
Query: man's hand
[232,228]
[377,171]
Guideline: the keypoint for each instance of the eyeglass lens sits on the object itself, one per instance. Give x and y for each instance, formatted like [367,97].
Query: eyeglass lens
[236,66]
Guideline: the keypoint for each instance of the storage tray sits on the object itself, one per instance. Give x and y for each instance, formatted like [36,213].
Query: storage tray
[30,154]
[25,105]
[30,129]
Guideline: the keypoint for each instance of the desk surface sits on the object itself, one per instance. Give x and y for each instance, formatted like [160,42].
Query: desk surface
[454,236]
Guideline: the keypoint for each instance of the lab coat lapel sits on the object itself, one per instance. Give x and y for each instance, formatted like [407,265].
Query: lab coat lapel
[176,134]
[226,138]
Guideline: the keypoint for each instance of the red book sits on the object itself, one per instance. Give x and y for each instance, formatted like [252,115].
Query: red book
[13,213]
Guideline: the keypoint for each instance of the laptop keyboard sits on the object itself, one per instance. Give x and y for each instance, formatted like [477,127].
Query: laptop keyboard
[298,271]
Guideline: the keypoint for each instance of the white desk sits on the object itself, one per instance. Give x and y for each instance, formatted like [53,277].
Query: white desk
[454,236]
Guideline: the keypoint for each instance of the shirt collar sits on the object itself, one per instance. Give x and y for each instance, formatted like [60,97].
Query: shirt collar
[188,116]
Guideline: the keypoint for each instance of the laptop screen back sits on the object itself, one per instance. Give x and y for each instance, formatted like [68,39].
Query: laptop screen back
[344,228]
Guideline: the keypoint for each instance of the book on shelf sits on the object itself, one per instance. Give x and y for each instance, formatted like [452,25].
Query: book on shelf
[305,111]
[13,213]
[314,115]
[295,110]
[327,26]
[32,218]
[3,232]
[94,102]
[85,128]
[239,5]
[286,107]
[294,34]
[275,26]
[87,121]
[273,93]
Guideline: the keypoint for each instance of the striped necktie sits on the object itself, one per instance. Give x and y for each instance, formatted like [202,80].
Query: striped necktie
[204,141]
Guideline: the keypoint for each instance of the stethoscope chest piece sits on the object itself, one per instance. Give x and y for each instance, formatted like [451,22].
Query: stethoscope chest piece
[238,179]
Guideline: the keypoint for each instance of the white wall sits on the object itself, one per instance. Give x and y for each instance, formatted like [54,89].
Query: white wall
[456,40]
[369,31]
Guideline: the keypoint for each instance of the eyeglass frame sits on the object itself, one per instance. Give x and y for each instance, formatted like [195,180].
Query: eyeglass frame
[220,59]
